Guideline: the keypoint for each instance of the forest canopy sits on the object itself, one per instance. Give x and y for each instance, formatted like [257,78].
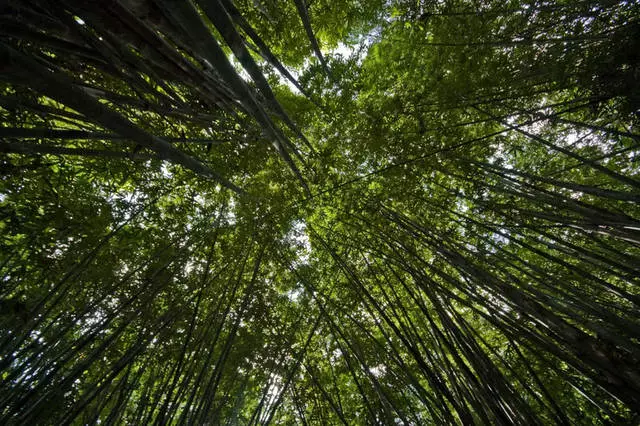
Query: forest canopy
[319,212]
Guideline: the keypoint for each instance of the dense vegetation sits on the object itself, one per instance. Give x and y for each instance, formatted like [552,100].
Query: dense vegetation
[321,212]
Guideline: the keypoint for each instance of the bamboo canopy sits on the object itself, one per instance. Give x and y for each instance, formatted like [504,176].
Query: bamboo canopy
[210,216]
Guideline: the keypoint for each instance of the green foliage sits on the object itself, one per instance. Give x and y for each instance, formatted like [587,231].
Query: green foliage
[439,227]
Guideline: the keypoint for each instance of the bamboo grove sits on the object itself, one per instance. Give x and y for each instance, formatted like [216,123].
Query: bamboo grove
[321,212]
